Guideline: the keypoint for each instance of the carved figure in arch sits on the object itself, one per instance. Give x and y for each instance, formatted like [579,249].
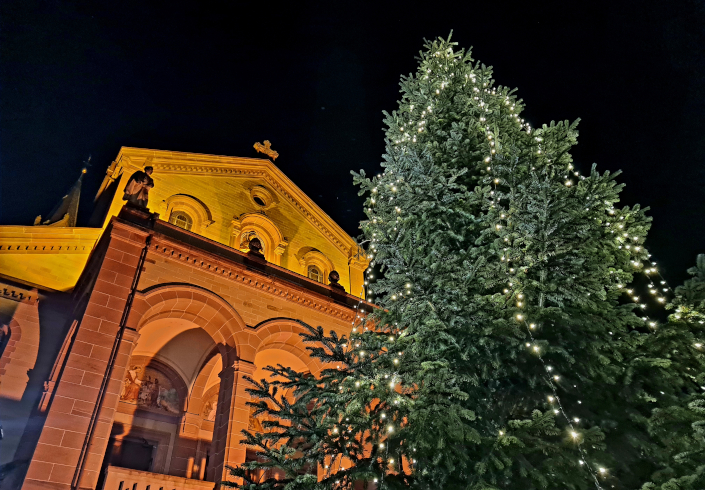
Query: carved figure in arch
[247,238]
[255,246]
[145,391]
[210,410]
[133,384]
[144,388]
[154,394]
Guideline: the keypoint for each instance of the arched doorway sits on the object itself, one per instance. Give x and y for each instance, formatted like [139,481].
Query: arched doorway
[186,336]
[152,429]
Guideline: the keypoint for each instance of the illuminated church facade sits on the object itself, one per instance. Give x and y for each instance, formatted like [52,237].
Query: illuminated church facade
[124,345]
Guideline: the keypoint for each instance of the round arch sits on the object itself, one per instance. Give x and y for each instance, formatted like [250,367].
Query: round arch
[315,258]
[194,304]
[194,208]
[268,233]
[284,334]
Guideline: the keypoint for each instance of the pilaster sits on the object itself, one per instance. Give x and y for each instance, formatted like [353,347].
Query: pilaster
[231,419]
[66,442]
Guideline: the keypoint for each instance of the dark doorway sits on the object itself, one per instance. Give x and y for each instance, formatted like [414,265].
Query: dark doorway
[135,454]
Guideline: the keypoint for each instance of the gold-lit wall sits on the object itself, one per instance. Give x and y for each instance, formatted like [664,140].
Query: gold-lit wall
[225,199]
[46,256]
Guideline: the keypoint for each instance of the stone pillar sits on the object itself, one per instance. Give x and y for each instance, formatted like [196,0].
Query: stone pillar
[65,431]
[231,419]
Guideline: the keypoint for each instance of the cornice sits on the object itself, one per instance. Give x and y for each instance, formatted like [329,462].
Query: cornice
[241,275]
[171,162]
[45,240]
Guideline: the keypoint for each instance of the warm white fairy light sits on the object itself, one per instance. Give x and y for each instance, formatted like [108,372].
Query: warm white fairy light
[495,200]
[554,398]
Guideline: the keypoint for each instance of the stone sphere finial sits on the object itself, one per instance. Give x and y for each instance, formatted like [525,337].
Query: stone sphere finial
[255,246]
[334,277]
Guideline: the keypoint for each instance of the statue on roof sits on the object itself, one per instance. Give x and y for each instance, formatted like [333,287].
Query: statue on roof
[137,188]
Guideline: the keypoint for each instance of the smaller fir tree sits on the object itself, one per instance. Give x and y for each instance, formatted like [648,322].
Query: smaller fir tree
[671,376]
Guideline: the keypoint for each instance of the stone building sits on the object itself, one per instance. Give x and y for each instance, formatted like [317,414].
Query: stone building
[124,345]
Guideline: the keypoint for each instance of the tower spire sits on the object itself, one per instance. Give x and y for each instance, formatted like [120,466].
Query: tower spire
[65,212]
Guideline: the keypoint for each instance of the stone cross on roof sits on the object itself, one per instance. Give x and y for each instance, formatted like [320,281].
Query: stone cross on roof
[266,148]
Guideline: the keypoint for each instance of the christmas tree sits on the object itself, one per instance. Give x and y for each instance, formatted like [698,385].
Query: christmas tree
[498,354]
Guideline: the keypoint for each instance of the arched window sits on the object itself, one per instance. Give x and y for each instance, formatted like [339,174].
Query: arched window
[315,265]
[315,273]
[181,219]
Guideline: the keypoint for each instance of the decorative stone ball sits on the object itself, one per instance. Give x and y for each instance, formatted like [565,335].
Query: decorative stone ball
[334,277]
[255,246]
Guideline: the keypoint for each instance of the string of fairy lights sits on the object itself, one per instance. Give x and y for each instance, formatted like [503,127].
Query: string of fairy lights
[554,399]
[337,462]
[481,90]
[407,138]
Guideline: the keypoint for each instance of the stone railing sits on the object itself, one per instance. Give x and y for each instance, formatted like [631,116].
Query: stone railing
[124,479]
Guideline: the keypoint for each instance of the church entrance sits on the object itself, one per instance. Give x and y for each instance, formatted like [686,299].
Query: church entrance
[133,454]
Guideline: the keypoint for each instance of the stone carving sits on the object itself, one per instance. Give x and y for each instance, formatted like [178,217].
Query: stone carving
[149,389]
[137,188]
[210,409]
[255,247]
[334,277]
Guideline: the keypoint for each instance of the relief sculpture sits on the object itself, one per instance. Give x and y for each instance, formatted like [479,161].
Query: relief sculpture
[150,389]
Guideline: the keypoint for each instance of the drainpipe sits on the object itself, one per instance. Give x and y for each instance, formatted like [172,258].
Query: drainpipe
[109,369]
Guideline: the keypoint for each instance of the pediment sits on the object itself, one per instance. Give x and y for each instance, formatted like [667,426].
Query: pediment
[259,169]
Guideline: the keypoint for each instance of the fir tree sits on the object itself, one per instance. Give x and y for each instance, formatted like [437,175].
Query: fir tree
[495,358]
[670,376]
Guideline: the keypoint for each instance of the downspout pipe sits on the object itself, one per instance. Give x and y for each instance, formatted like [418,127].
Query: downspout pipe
[109,369]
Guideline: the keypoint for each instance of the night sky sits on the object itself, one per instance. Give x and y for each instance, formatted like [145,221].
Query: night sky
[80,78]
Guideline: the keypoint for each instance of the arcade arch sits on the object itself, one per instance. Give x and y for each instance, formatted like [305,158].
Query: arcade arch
[202,343]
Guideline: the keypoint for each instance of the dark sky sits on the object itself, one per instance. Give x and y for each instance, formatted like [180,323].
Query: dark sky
[80,78]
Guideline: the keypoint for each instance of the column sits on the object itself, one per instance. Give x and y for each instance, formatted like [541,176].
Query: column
[231,419]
